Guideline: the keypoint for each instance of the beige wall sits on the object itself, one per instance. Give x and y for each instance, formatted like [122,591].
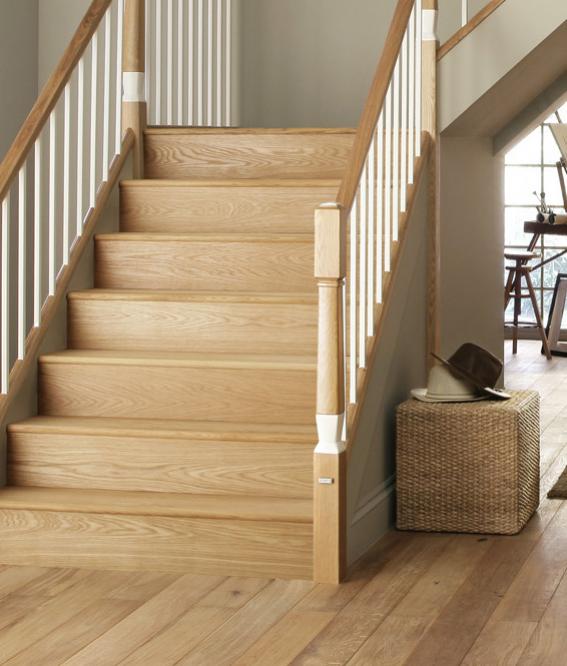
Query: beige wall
[309,63]
[18,66]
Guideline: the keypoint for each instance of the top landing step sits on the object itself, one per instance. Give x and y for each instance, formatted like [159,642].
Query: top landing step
[234,153]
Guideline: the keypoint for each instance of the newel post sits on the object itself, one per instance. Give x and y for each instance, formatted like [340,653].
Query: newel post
[329,457]
[429,114]
[133,78]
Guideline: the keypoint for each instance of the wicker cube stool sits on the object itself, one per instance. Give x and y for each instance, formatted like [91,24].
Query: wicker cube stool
[468,467]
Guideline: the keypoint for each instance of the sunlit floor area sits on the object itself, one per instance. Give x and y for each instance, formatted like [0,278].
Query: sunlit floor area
[419,599]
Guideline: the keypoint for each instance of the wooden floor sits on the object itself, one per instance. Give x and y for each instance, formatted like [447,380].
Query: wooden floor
[420,599]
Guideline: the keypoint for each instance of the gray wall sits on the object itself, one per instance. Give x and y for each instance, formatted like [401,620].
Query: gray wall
[18,66]
[309,62]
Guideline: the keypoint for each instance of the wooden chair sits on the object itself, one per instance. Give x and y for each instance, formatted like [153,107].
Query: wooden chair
[517,272]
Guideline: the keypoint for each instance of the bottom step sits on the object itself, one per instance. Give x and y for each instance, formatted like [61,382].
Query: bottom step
[240,536]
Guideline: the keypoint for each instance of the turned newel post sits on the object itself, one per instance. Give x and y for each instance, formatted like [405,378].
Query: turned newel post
[429,124]
[133,79]
[329,457]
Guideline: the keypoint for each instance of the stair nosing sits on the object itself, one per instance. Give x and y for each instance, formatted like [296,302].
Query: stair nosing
[234,182]
[271,298]
[190,237]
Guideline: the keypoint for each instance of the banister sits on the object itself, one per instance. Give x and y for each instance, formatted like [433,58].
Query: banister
[374,103]
[49,96]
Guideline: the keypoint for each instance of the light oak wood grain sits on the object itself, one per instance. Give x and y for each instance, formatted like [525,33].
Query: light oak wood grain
[238,263]
[246,155]
[273,469]
[222,207]
[246,323]
[247,390]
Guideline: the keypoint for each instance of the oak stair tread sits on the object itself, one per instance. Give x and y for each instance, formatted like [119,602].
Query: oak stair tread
[167,429]
[297,298]
[175,129]
[205,238]
[157,358]
[114,502]
[233,182]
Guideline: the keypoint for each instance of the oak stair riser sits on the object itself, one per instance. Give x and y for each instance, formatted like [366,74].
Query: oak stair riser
[110,321]
[159,543]
[157,464]
[300,154]
[241,394]
[136,261]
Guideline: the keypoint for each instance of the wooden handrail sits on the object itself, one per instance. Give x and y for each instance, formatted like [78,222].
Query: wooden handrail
[476,20]
[49,96]
[374,104]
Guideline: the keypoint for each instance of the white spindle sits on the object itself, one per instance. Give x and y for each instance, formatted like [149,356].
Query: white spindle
[5,319]
[228,64]
[418,74]
[404,126]
[363,238]
[149,65]
[352,299]
[387,178]
[180,60]
[119,52]
[80,143]
[379,205]
[22,268]
[94,118]
[66,171]
[219,67]
[464,12]
[191,64]
[106,97]
[169,72]
[411,97]
[52,198]
[200,73]
[157,71]
[371,229]
[37,235]
[396,153]
[210,64]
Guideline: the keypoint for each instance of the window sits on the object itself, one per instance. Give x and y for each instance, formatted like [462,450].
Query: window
[530,167]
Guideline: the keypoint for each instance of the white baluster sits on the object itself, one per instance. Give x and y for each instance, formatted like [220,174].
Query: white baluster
[157,71]
[396,153]
[371,228]
[106,97]
[210,64]
[66,171]
[191,63]
[464,12]
[411,98]
[418,74]
[352,280]
[119,52]
[94,118]
[180,60]
[5,319]
[52,199]
[219,64]
[387,177]
[228,64]
[200,73]
[22,268]
[379,205]
[404,126]
[363,237]
[169,101]
[80,143]
[37,235]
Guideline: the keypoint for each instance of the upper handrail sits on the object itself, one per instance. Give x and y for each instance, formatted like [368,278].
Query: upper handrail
[50,95]
[374,104]
[469,26]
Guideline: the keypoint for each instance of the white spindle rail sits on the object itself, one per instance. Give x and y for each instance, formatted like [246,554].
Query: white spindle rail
[42,200]
[189,62]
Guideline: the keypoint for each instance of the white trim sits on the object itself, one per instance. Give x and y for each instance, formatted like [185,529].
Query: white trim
[330,431]
[134,87]
[429,25]
[373,499]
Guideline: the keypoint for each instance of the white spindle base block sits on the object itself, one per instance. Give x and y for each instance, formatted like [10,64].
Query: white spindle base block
[330,433]
[134,87]
[429,25]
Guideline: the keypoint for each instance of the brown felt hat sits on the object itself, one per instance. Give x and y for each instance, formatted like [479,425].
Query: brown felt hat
[478,366]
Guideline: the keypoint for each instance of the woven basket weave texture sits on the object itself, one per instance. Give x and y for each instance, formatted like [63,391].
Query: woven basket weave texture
[468,467]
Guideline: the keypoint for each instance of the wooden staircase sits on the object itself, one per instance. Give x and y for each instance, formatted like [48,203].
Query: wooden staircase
[177,430]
